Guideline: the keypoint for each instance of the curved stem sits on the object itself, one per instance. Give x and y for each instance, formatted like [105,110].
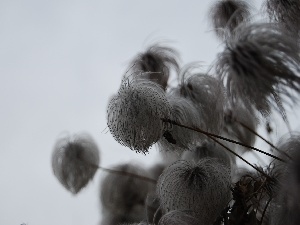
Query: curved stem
[223,138]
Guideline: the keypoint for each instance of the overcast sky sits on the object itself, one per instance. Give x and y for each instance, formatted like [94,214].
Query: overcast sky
[60,61]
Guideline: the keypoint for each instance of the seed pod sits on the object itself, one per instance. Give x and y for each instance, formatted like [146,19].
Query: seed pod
[285,206]
[135,114]
[233,128]
[75,162]
[227,15]
[155,64]
[203,188]
[260,62]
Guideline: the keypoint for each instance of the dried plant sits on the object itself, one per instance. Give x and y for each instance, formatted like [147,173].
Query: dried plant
[202,187]
[75,161]
[209,149]
[207,94]
[135,113]
[285,12]
[202,123]
[259,63]
[227,15]
[241,125]
[155,64]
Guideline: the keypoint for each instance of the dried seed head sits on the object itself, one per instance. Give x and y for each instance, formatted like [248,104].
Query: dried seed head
[183,112]
[155,64]
[236,115]
[178,217]
[203,188]
[285,207]
[124,195]
[285,12]
[135,114]
[74,162]
[208,149]
[207,94]
[226,15]
[261,61]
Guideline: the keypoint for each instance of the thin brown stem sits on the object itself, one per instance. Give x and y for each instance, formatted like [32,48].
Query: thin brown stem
[261,137]
[223,138]
[123,173]
[264,212]
[228,149]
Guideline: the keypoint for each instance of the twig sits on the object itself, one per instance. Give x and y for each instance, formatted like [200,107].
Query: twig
[261,137]
[223,138]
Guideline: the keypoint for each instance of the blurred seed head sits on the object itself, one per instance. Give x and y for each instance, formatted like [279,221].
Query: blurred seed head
[285,12]
[208,149]
[74,161]
[208,96]
[183,112]
[134,114]
[124,195]
[227,15]
[233,129]
[202,187]
[178,217]
[260,62]
[155,64]
[285,207]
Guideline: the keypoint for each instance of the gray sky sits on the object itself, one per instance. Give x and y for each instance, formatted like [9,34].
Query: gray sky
[60,61]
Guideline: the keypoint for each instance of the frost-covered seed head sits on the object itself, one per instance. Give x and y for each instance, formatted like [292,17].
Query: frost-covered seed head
[259,62]
[75,161]
[135,114]
[156,59]
[203,188]
[226,15]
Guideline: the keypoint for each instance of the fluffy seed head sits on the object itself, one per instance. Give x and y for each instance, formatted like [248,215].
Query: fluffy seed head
[156,63]
[226,15]
[207,94]
[261,61]
[183,112]
[285,12]
[134,115]
[74,162]
[203,188]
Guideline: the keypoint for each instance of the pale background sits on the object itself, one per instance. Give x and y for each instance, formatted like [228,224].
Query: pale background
[60,61]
